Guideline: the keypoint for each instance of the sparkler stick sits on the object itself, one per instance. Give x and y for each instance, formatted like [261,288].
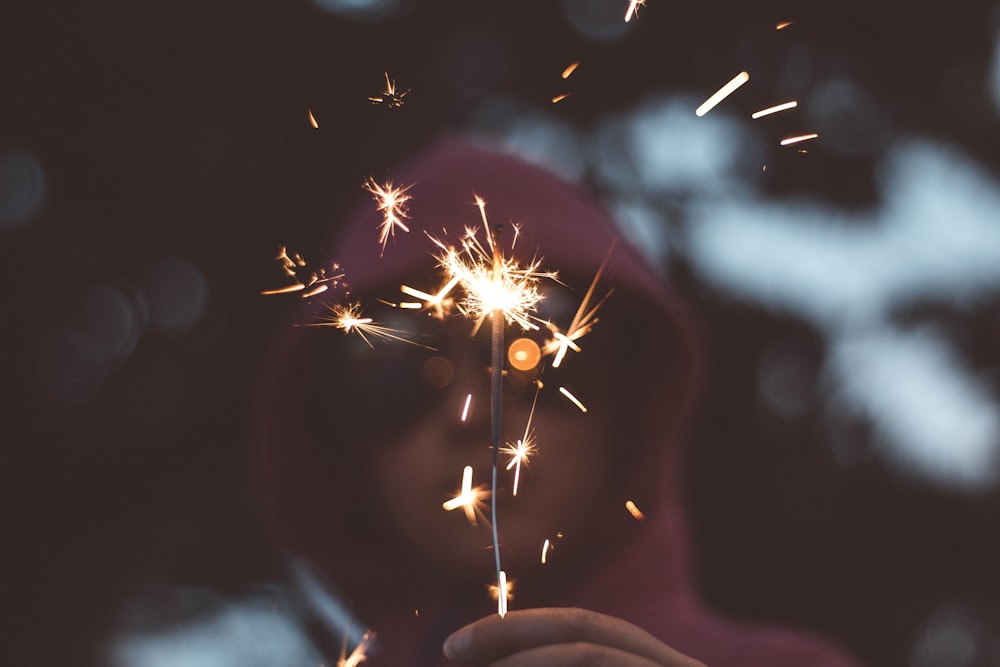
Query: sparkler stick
[496,393]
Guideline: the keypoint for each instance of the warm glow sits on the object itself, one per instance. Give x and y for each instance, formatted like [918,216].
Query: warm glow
[782,25]
[775,109]
[504,585]
[634,511]
[722,93]
[524,354]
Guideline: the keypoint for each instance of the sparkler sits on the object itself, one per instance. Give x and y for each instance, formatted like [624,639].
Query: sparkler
[722,93]
[506,291]
[390,97]
[392,202]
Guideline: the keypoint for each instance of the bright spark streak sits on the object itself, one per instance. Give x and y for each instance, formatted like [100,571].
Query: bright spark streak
[794,140]
[358,655]
[471,500]
[782,25]
[525,447]
[560,98]
[634,511]
[392,202]
[570,69]
[319,289]
[285,290]
[775,109]
[349,319]
[438,302]
[389,96]
[312,119]
[565,392]
[546,545]
[722,93]
[491,281]
[633,9]
[465,408]
[502,585]
[583,320]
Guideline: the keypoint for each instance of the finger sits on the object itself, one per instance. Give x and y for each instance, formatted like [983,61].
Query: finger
[578,654]
[495,637]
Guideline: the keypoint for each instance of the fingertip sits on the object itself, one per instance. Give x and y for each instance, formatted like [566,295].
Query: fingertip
[456,646]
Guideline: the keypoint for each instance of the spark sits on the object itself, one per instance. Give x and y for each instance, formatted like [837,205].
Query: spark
[560,98]
[546,545]
[439,302]
[465,408]
[349,319]
[570,69]
[492,282]
[358,655]
[502,585]
[390,96]
[775,109]
[525,447]
[782,25]
[392,202]
[633,9]
[312,119]
[471,500]
[566,392]
[794,140]
[634,511]
[582,323]
[315,283]
[722,93]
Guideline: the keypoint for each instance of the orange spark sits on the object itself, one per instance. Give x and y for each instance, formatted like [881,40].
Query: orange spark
[633,9]
[392,203]
[570,69]
[524,448]
[358,655]
[634,511]
[782,25]
[349,319]
[440,302]
[775,109]
[722,93]
[546,545]
[390,96]
[560,98]
[573,399]
[583,321]
[465,408]
[312,119]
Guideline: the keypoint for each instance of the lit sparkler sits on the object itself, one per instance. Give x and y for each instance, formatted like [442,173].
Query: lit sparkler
[633,9]
[722,93]
[468,498]
[392,202]
[502,585]
[390,96]
[350,319]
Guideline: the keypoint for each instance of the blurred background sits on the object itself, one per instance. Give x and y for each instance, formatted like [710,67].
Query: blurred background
[154,156]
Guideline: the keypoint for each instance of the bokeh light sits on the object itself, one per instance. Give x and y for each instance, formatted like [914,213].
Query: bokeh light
[22,189]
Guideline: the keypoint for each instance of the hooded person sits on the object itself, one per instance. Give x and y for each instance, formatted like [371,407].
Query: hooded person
[364,440]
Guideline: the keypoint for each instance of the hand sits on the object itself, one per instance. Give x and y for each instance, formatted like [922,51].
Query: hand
[559,636]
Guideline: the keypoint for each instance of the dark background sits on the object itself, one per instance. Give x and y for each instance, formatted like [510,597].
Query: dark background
[177,156]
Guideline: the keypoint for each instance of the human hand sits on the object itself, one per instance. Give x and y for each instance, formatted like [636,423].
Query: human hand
[559,636]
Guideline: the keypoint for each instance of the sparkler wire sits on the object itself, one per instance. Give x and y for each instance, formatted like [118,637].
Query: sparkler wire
[496,389]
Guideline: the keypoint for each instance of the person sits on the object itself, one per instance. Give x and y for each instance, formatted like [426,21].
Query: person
[363,440]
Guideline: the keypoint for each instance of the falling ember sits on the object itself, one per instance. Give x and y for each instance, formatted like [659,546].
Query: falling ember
[794,140]
[312,119]
[465,408]
[392,203]
[358,655]
[573,399]
[390,96]
[722,93]
[546,545]
[560,98]
[633,9]
[349,319]
[469,499]
[782,25]
[570,69]
[775,109]
[634,511]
